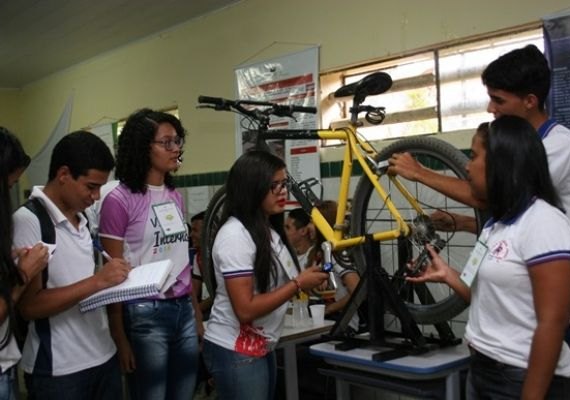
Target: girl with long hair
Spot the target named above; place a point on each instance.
(14, 275)
(518, 276)
(256, 274)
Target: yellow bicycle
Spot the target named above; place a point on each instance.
(391, 210)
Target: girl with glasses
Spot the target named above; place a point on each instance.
(141, 220)
(256, 274)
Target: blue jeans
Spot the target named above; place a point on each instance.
(491, 380)
(8, 384)
(164, 340)
(100, 382)
(238, 376)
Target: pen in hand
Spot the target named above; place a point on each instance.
(101, 250)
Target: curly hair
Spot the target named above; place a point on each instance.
(133, 152)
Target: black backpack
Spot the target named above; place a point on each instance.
(48, 236)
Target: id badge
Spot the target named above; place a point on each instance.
(469, 273)
(169, 218)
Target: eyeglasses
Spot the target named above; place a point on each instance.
(278, 186)
(169, 144)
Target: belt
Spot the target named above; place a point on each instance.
(185, 297)
(477, 355)
(182, 298)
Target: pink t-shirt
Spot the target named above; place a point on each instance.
(129, 217)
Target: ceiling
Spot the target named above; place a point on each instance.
(40, 37)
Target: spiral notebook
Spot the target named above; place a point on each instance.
(143, 281)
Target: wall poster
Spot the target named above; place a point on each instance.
(557, 50)
(291, 79)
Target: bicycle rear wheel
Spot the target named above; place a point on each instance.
(369, 214)
(212, 220)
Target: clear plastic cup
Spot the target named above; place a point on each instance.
(318, 314)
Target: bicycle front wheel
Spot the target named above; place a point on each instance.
(438, 303)
(210, 227)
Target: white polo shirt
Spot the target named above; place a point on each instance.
(9, 355)
(502, 317)
(70, 341)
(234, 255)
(556, 140)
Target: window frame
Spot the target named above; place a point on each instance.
(334, 111)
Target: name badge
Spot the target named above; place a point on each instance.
(169, 218)
(469, 273)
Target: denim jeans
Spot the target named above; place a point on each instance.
(238, 376)
(8, 384)
(491, 380)
(164, 340)
(100, 382)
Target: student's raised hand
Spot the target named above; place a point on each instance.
(405, 165)
(436, 269)
(312, 277)
(31, 261)
(113, 272)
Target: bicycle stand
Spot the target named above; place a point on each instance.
(376, 287)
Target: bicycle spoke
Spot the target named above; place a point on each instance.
(372, 216)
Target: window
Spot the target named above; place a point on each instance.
(437, 90)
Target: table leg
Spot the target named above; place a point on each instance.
(291, 381)
(453, 386)
(342, 389)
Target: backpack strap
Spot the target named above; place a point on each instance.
(46, 224)
(48, 236)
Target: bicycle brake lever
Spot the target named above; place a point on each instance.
(379, 167)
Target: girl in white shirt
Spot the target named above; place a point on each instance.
(520, 302)
(256, 275)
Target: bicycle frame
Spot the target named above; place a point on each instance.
(382, 211)
(354, 149)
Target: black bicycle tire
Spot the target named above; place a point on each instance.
(209, 229)
(449, 307)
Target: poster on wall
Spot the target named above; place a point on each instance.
(557, 50)
(291, 79)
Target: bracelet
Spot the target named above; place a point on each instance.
(296, 282)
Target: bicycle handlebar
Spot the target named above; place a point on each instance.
(216, 101)
(220, 104)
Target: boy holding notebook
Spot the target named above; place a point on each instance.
(69, 354)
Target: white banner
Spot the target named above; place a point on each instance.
(38, 170)
(291, 79)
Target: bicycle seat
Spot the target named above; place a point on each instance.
(370, 85)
